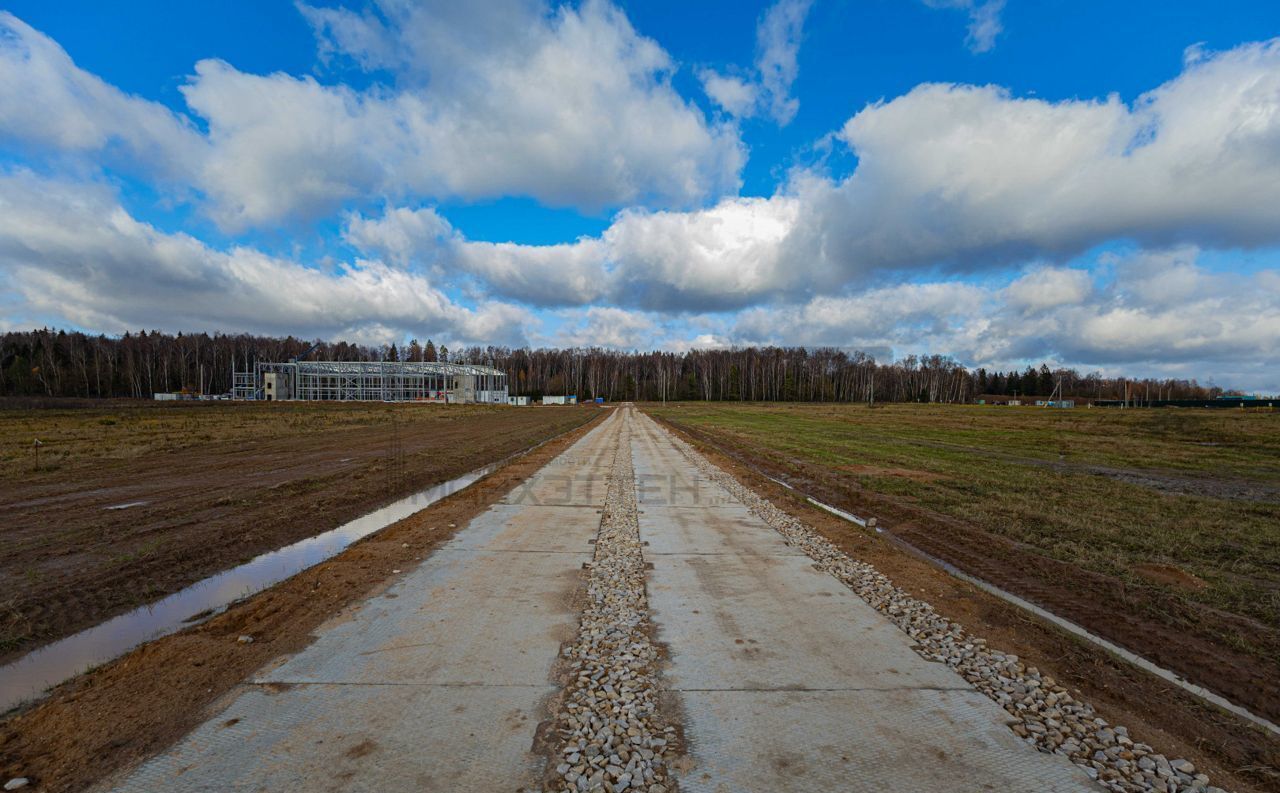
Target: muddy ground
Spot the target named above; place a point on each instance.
(131, 708)
(212, 485)
(1237, 755)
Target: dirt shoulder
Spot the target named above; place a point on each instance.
(133, 502)
(117, 714)
(1235, 754)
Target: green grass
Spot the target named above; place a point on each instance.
(1062, 481)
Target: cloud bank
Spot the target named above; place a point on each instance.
(70, 250)
(569, 106)
(960, 230)
(969, 179)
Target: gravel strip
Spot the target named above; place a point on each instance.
(612, 737)
(1047, 716)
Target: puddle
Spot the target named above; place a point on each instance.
(128, 505)
(36, 671)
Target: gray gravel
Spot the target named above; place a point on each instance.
(1044, 713)
(611, 735)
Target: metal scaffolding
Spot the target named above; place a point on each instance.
(382, 381)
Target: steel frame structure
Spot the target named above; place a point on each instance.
(383, 381)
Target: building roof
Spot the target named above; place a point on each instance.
(391, 367)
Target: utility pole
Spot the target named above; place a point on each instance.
(1055, 394)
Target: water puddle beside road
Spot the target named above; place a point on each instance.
(30, 675)
(129, 505)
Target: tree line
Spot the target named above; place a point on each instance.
(57, 363)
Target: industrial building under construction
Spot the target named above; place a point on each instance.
(379, 381)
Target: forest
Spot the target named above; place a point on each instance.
(58, 363)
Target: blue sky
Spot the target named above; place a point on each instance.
(1091, 184)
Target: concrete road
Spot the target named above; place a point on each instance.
(436, 685)
(790, 682)
(781, 678)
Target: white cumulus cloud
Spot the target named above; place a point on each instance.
(1230, 326)
(984, 20)
(72, 252)
(1048, 288)
(568, 105)
(48, 103)
(722, 257)
(963, 179)
(768, 90)
(973, 177)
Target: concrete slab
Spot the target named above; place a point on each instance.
(357, 738)
(725, 530)
(577, 477)
(676, 488)
(789, 682)
(561, 486)
(516, 527)
(773, 622)
(463, 618)
(665, 478)
(802, 741)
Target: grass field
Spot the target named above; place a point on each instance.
(1158, 529)
(130, 500)
(1127, 493)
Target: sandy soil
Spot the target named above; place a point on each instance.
(1239, 756)
(70, 561)
(126, 710)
